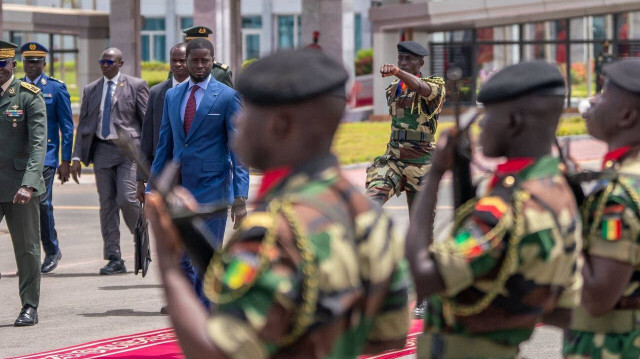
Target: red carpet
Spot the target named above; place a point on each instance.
(163, 344)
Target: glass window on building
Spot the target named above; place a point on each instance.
(251, 33)
(287, 32)
(186, 22)
(357, 32)
(153, 40)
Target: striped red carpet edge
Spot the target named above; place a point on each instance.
(163, 344)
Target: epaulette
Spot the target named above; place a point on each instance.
(56, 80)
(30, 87)
(436, 80)
(393, 83)
(221, 65)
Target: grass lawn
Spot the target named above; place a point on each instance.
(359, 142)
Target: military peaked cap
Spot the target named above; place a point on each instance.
(413, 48)
(197, 31)
(624, 74)
(291, 76)
(7, 49)
(33, 49)
(535, 77)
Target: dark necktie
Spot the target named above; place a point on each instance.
(106, 111)
(190, 110)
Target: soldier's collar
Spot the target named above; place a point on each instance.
(615, 156)
(523, 170)
(511, 167)
(7, 84)
(277, 178)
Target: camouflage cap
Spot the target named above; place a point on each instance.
(539, 77)
(413, 48)
(291, 76)
(625, 74)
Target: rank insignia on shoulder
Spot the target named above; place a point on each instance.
(56, 80)
(494, 205)
(224, 66)
(30, 87)
(13, 113)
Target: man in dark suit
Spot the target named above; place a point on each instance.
(153, 116)
(196, 128)
(59, 122)
(113, 101)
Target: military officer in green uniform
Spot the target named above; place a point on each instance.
(414, 105)
(221, 72)
(23, 134)
(606, 325)
(315, 271)
(510, 261)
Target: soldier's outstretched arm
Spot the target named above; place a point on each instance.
(188, 316)
(413, 82)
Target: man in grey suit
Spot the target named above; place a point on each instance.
(115, 101)
(153, 116)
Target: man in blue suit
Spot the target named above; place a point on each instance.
(195, 131)
(59, 121)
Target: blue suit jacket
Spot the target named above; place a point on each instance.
(208, 167)
(59, 119)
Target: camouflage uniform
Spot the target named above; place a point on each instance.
(611, 215)
(511, 258)
(414, 120)
(314, 272)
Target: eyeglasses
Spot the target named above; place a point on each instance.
(4, 63)
(33, 61)
(102, 62)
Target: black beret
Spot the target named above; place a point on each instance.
(625, 74)
(412, 47)
(539, 77)
(291, 76)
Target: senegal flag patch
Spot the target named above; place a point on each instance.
(240, 272)
(612, 229)
(468, 245)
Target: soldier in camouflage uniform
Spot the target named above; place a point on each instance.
(606, 325)
(315, 271)
(510, 260)
(414, 105)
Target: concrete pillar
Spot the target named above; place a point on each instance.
(125, 23)
(235, 35)
(384, 52)
(334, 20)
(89, 50)
(171, 26)
(204, 14)
(421, 37)
(266, 39)
(1, 19)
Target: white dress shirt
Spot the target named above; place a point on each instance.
(112, 129)
(175, 82)
(199, 94)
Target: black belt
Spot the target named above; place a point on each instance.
(106, 142)
(409, 135)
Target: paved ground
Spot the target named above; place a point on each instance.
(77, 305)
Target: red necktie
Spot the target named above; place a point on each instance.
(190, 110)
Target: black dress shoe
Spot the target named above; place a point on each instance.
(114, 266)
(28, 316)
(50, 262)
(164, 310)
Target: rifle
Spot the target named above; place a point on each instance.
(191, 224)
(463, 188)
